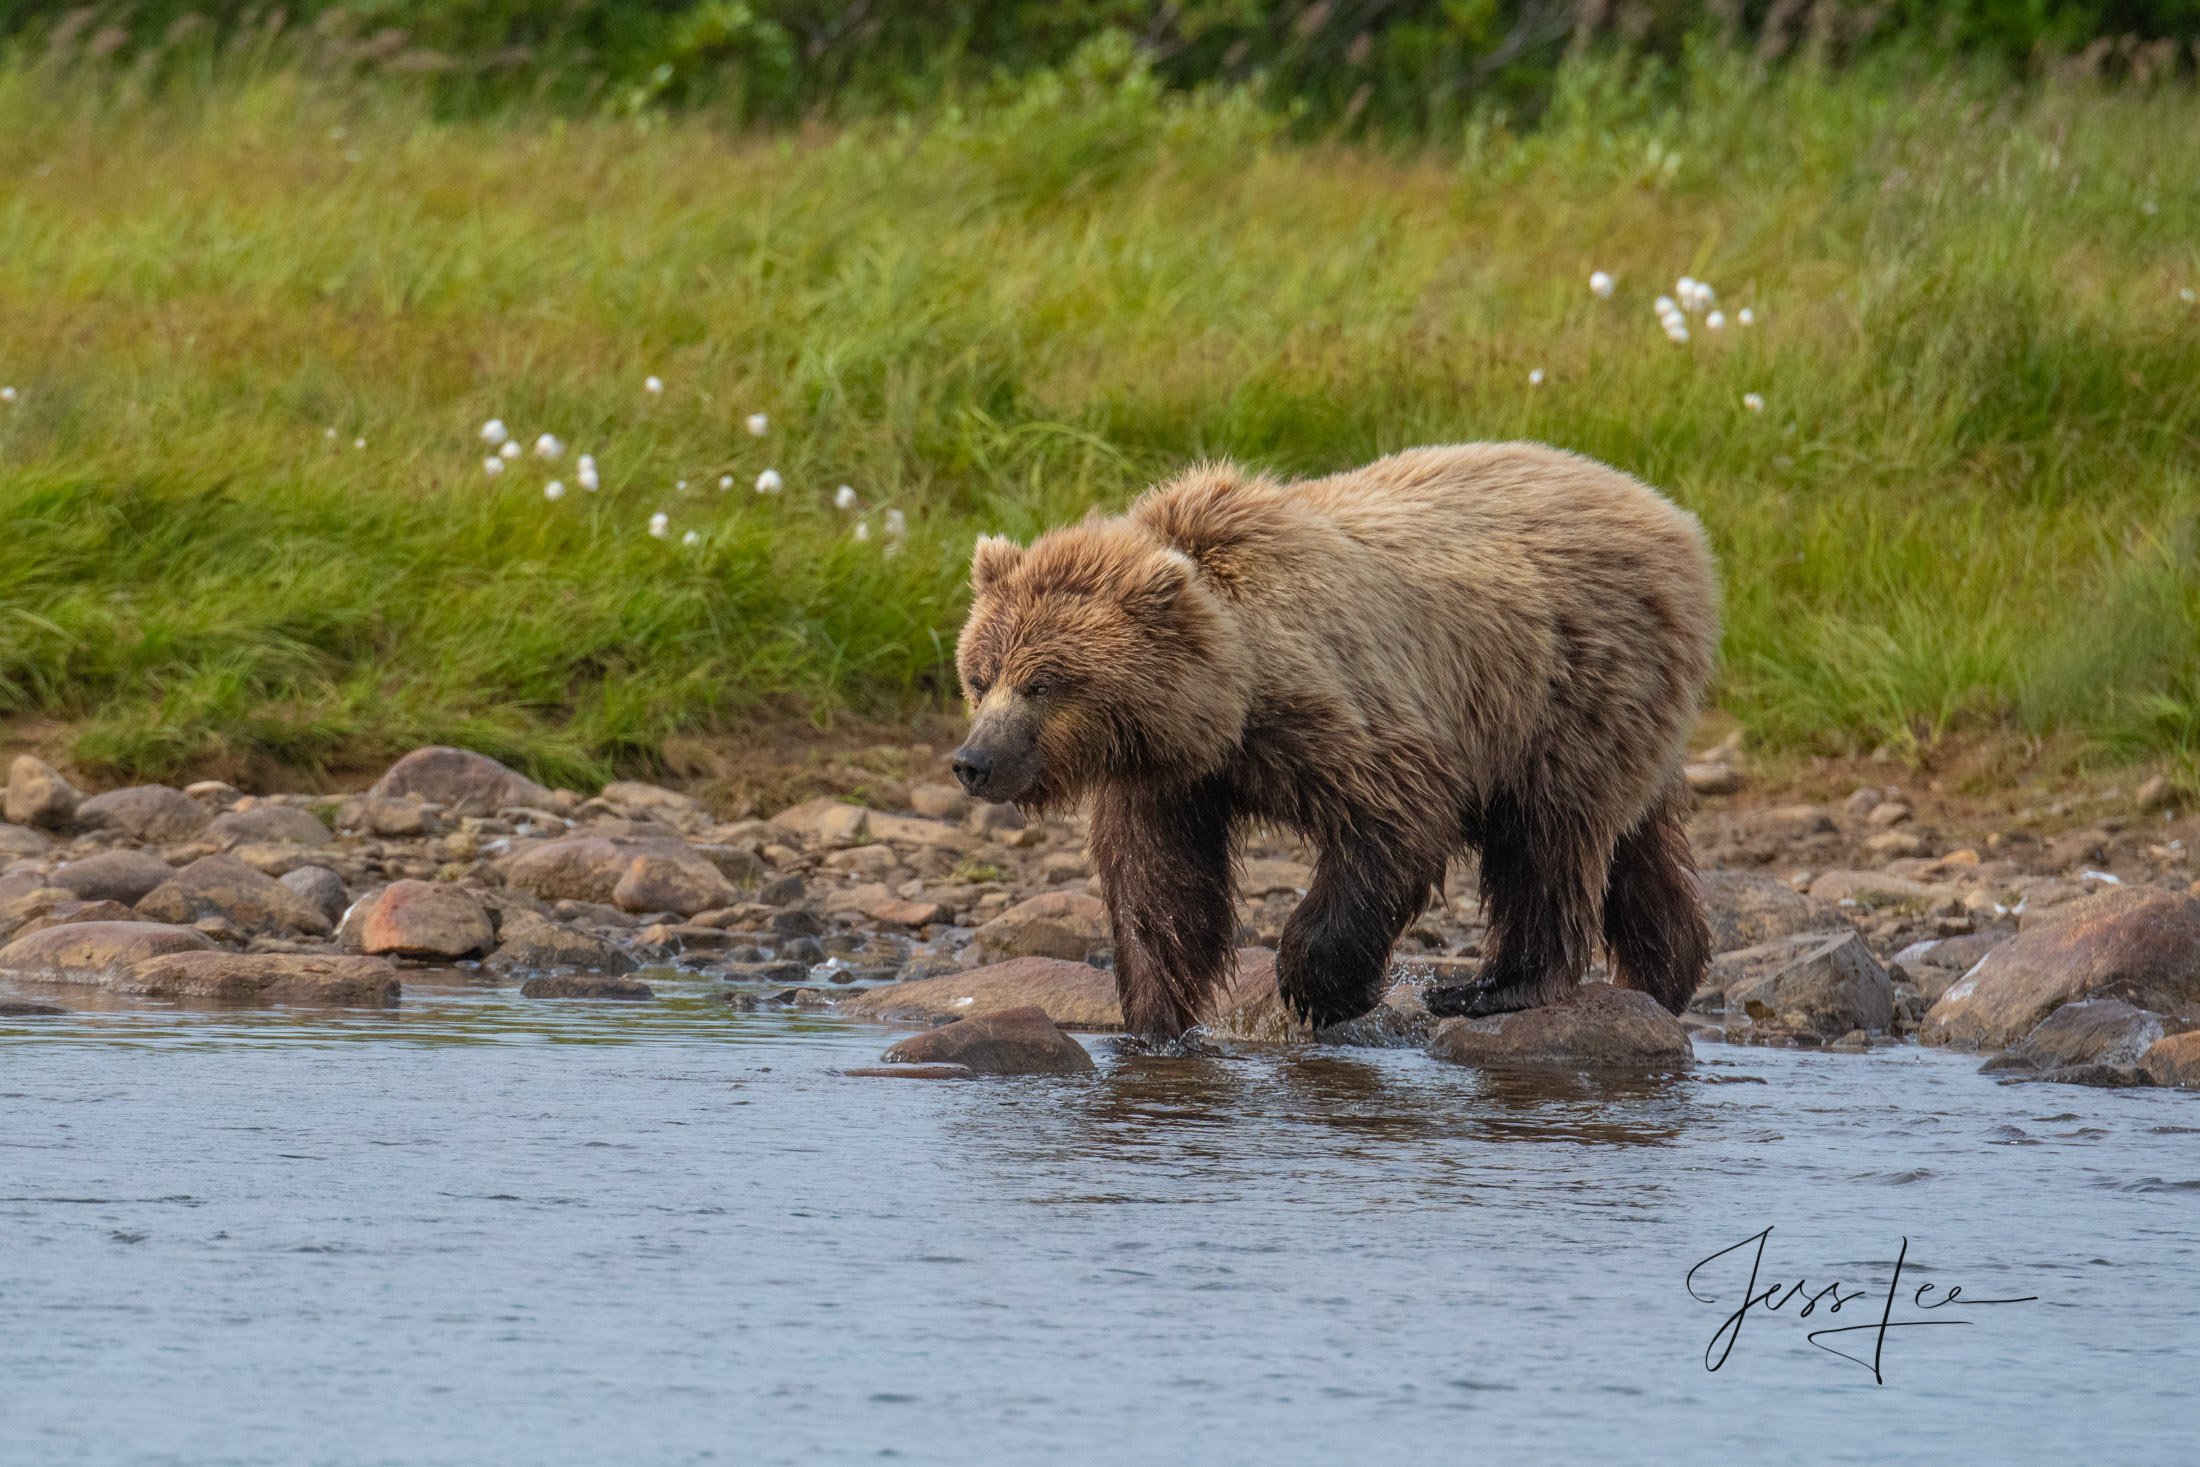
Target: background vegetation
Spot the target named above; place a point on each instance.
(990, 291)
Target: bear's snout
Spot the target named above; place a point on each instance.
(973, 768)
(999, 759)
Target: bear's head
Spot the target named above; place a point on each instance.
(1100, 653)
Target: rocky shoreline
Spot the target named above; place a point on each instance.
(1843, 927)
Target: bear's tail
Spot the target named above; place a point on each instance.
(1654, 927)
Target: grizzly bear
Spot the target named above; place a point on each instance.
(1493, 646)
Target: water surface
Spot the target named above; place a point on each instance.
(479, 1229)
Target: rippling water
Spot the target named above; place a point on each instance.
(481, 1230)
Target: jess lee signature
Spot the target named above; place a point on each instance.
(1774, 1298)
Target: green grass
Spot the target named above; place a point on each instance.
(1969, 505)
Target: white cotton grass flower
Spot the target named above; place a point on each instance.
(1600, 285)
(862, 530)
(508, 451)
(1745, 317)
(585, 473)
(358, 443)
(492, 466)
(897, 524)
(1664, 306)
(1535, 378)
(329, 433)
(547, 446)
(769, 482)
(494, 432)
(1716, 321)
(681, 485)
(653, 385)
(7, 394)
(691, 539)
(660, 524)
(1676, 331)
(844, 497)
(2184, 294)
(553, 491)
(1754, 401)
(725, 482)
(759, 424)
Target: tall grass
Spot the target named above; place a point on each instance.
(1969, 502)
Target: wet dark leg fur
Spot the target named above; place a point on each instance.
(1335, 955)
(1163, 856)
(1540, 899)
(1654, 925)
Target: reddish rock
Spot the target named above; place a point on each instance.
(264, 824)
(218, 886)
(1020, 1041)
(461, 778)
(1073, 995)
(85, 952)
(672, 881)
(114, 876)
(38, 795)
(1069, 925)
(267, 978)
(2141, 945)
(2174, 1061)
(1598, 1027)
(147, 812)
(624, 990)
(426, 919)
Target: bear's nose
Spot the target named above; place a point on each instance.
(972, 769)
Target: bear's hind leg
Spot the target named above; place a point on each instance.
(1335, 952)
(1653, 918)
(1164, 864)
(1540, 895)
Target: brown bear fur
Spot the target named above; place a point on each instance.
(1498, 646)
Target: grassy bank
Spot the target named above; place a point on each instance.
(1969, 502)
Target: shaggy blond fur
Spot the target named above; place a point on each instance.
(1496, 646)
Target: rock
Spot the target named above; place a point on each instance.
(319, 978)
(986, 819)
(1746, 909)
(277, 858)
(782, 973)
(114, 876)
(21, 840)
(426, 919)
(640, 801)
(1895, 843)
(669, 881)
(374, 815)
(85, 952)
(570, 986)
(460, 778)
(546, 945)
(2139, 944)
(939, 801)
(1261, 878)
(2078, 848)
(1790, 822)
(826, 820)
(2104, 1031)
(1073, 995)
(1863, 801)
(26, 893)
(61, 914)
(871, 860)
(23, 1008)
(1887, 812)
(907, 830)
(1712, 779)
(1070, 925)
(1935, 967)
(267, 823)
(320, 886)
(1766, 958)
(785, 892)
(739, 866)
(2155, 794)
(38, 795)
(1597, 1027)
(1829, 990)
(147, 812)
(215, 794)
(584, 868)
(894, 1072)
(1018, 1041)
(2174, 1061)
(1873, 890)
(1251, 1010)
(217, 886)
(800, 922)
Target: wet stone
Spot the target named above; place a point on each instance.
(548, 945)
(264, 978)
(766, 972)
(2104, 1031)
(2174, 1061)
(908, 1072)
(23, 1008)
(1073, 995)
(1597, 1027)
(1019, 1041)
(799, 922)
(579, 986)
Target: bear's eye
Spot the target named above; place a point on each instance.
(978, 689)
(1038, 687)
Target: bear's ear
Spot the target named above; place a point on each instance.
(1162, 579)
(994, 558)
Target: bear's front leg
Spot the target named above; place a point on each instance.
(1163, 857)
(1336, 947)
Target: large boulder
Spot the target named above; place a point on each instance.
(147, 812)
(1746, 909)
(461, 779)
(320, 886)
(61, 914)
(1070, 925)
(543, 946)
(2103, 1031)
(217, 886)
(1019, 1041)
(1597, 1027)
(86, 952)
(2174, 1061)
(425, 919)
(1073, 995)
(590, 868)
(266, 824)
(1833, 987)
(676, 880)
(38, 795)
(113, 876)
(264, 978)
(1249, 1008)
(2139, 944)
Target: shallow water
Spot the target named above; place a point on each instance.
(479, 1229)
